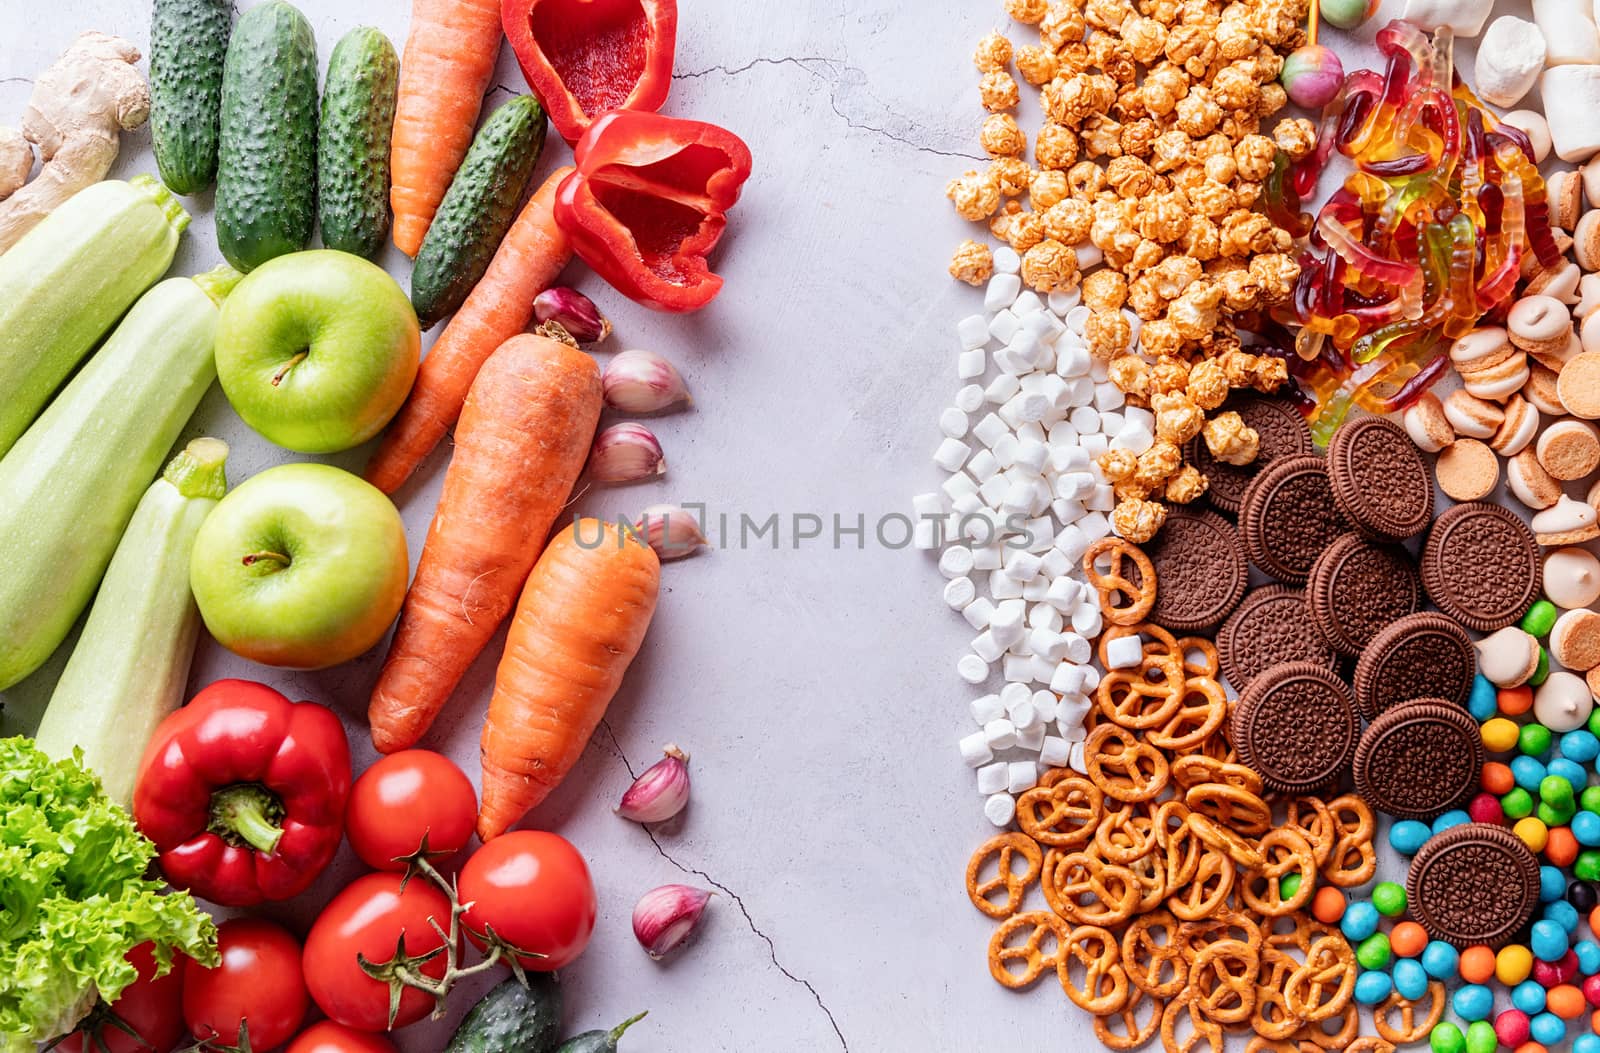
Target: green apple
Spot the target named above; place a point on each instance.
(317, 350)
(303, 565)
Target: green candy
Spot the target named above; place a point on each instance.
(1518, 804)
(1552, 816)
(1288, 885)
(1481, 1037)
(1594, 722)
(1555, 791)
(1373, 952)
(1542, 672)
(1534, 740)
(1447, 1038)
(1347, 14)
(1590, 799)
(1587, 867)
(1390, 899)
(1540, 619)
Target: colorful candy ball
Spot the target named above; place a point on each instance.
(1312, 75)
(1348, 14)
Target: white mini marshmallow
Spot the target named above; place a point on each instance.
(987, 646)
(1078, 650)
(1006, 260)
(1000, 809)
(1032, 737)
(1001, 292)
(1044, 703)
(1023, 715)
(1001, 388)
(1510, 56)
(1102, 499)
(1095, 525)
(983, 465)
(990, 429)
(972, 332)
(1086, 419)
(1047, 644)
(1068, 679)
(1027, 302)
(1464, 17)
(1017, 668)
(1086, 620)
(1042, 615)
(971, 365)
(1136, 437)
(978, 612)
(985, 708)
(970, 398)
(1063, 300)
(975, 751)
(1124, 652)
(1054, 751)
(992, 778)
(1569, 32)
(953, 422)
(1078, 762)
(959, 593)
(972, 669)
(956, 561)
(951, 454)
(999, 734)
(1572, 108)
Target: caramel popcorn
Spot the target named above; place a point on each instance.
(1027, 12)
(975, 196)
(1173, 275)
(1036, 63)
(1230, 439)
(1130, 490)
(1186, 485)
(998, 91)
(972, 263)
(1131, 375)
(1197, 312)
(1177, 419)
(1169, 374)
(1102, 137)
(1013, 174)
(1062, 25)
(1208, 384)
(1001, 136)
(1157, 464)
(1024, 231)
(1047, 189)
(1211, 199)
(993, 54)
(1117, 465)
(1295, 137)
(1276, 273)
(1049, 266)
(1264, 373)
(1068, 221)
(1138, 520)
(1108, 334)
(1146, 38)
(1086, 179)
(1055, 147)
(1107, 14)
(1105, 290)
(1198, 113)
(1164, 218)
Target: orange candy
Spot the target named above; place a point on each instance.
(1531, 1047)
(1594, 926)
(1477, 964)
(1329, 903)
(1566, 1001)
(1561, 848)
(1407, 939)
(1594, 1022)
(1497, 779)
(1514, 701)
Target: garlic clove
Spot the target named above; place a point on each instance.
(673, 532)
(626, 453)
(664, 917)
(572, 311)
(642, 382)
(661, 791)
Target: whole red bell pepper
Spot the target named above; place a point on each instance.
(243, 793)
(649, 201)
(583, 58)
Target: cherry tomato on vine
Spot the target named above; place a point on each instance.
(368, 918)
(328, 1037)
(533, 888)
(258, 983)
(401, 798)
(152, 1006)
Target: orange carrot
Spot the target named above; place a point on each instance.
(499, 307)
(580, 621)
(524, 434)
(449, 61)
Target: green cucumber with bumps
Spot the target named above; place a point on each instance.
(267, 158)
(513, 1018)
(188, 42)
(478, 208)
(358, 102)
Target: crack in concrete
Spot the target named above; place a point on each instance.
(810, 64)
(772, 950)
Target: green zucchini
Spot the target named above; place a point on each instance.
(599, 1041)
(188, 39)
(131, 663)
(267, 157)
(512, 1018)
(353, 142)
(70, 485)
(478, 208)
(69, 279)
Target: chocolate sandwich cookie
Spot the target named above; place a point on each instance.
(1480, 565)
(1358, 587)
(1475, 883)
(1424, 655)
(1380, 481)
(1295, 726)
(1201, 572)
(1283, 433)
(1288, 517)
(1272, 626)
(1420, 759)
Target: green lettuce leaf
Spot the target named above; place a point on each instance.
(75, 898)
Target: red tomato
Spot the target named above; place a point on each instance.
(533, 888)
(404, 796)
(369, 918)
(258, 983)
(328, 1037)
(151, 1005)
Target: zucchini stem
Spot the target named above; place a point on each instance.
(200, 469)
(250, 813)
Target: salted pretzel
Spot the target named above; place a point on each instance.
(1006, 850)
(1151, 872)
(1133, 1034)
(1223, 979)
(1225, 924)
(1115, 583)
(1202, 1029)
(1208, 890)
(1410, 1029)
(1064, 814)
(1286, 852)
(1152, 956)
(1086, 890)
(1044, 944)
(1201, 711)
(1223, 839)
(1322, 986)
(1272, 1018)
(1353, 860)
(1200, 657)
(1180, 848)
(1197, 768)
(1261, 1044)
(1231, 806)
(1312, 819)
(1125, 768)
(1314, 1036)
(1105, 984)
(1129, 699)
(1368, 1044)
(1125, 835)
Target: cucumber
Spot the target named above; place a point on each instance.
(513, 1019)
(599, 1041)
(478, 208)
(69, 486)
(267, 158)
(188, 39)
(131, 663)
(69, 279)
(353, 142)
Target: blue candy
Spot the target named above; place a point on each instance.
(1563, 914)
(1410, 978)
(1443, 961)
(1482, 703)
(1588, 953)
(1449, 819)
(1528, 996)
(1408, 836)
(1528, 773)
(1581, 746)
(1573, 773)
(1552, 883)
(1586, 1044)
(1360, 921)
(1548, 941)
(1373, 987)
(1473, 1002)
(1548, 1029)
(1586, 828)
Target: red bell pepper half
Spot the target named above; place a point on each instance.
(243, 793)
(649, 201)
(583, 58)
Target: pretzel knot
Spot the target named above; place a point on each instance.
(1125, 768)
(1064, 814)
(1410, 1028)
(1005, 849)
(1202, 1029)
(1105, 984)
(1152, 956)
(1322, 986)
(1223, 979)
(1087, 891)
(1133, 1034)
(1043, 944)
(1115, 584)
(1285, 852)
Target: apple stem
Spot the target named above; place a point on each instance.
(277, 378)
(277, 557)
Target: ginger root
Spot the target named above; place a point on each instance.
(16, 160)
(76, 114)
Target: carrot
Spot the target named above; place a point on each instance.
(499, 307)
(580, 621)
(449, 61)
(524, 434)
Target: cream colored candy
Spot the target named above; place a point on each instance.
(1563, 702)
(1579, 385)
(1589, 332)
(1590, 174)
(1467, 470)
(1541, 390)
(1517, 430)
(1567, 522)
(1489, 365)
(1572, 577)
(1569, 31)
(1588, 297)
(1569, 449)
(1471, 416)
(1564, 190)
(1529, 482)
(1575, 639)
(1559, 282)
(1572, 100)
(1593, 496)
(1537, 128)
(1464, 17)
(1507, 658)
(1539, 324)
(1427, 425)
(1510, 56)
(1586, 241)
(1557, 359)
